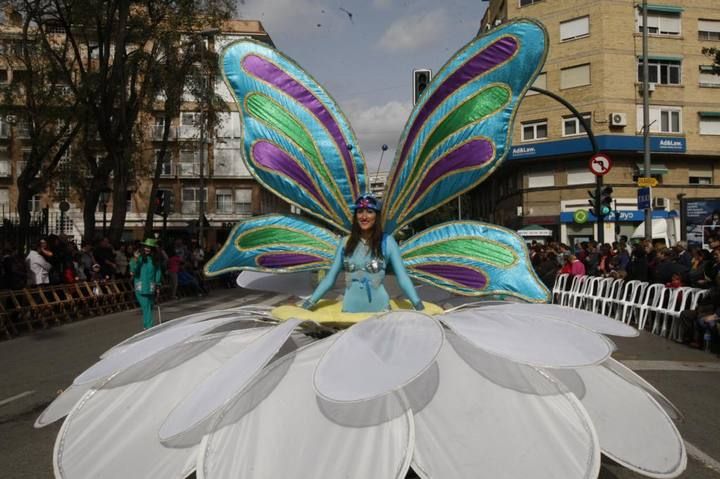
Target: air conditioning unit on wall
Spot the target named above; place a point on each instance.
(660, 203)
(618, 119)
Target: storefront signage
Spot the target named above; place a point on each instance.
(620, 216)
(644, 198)
(644, 181)
(581, 216)
(605, 143)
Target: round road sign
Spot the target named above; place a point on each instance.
(64, 206)
(600, 164)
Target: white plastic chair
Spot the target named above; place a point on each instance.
(613, 294)
(559, 287)
(567, 295)
(651, 299)
(659, 310)
(681, 302)
(594, 300)
(577, 298)
(587, 292)
(632, 294)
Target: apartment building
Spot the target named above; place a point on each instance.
(595, 63)
(228, 190)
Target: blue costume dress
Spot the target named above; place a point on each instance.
(146, 279)
(364, 276)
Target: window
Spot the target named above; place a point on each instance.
(4, 163)
(158, 128)
(576, 28)
(700, 176)
(540, 180)
(524, 3)
(129, 201)
(4, 201)
(709, 77)
(540, 82)
(4, 128)
(572, 126)
(710, 123)
(189, 163)
(227, 160)
(34, 204)
(534, 130)
(709, 30)
(189, 124)
(662, 71)
(224, 201)
(19, 76)
(243, 201)
(191, 200)
(4, 75)
(228, 125)
(662, 21)
(663, 119)
(22, 129)
(580, 176)
(167, 166)
(572, 77)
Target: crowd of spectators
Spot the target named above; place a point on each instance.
(674, 267)
(57, 260)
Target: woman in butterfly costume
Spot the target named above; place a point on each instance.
(482, 389)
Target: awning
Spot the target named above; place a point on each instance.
(655, 169)
(711, 114)
(534, 230)
(669, 58)
(663, 8)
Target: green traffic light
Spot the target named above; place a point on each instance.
(605, 210)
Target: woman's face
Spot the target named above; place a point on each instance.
(146, 251)
(366, 219)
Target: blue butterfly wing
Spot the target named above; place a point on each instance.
(473, 259)
(297, 142)
(275, 244)
(461, 128)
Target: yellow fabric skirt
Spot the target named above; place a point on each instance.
(330, 312)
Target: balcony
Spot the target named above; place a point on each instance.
(189, 170)
(157, 133)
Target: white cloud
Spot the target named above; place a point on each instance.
(415, 31)
(378, 125)
(382, 4)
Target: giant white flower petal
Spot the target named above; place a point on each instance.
(112, 432)
(529, 340)
(378, 356)
(587, 319)
(633, 429)
(476, 427)
(289, 433)
(226, 382)
(63, 404)
(144, 348)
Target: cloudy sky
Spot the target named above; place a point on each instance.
(364, 51)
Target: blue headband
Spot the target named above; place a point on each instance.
(366, 201)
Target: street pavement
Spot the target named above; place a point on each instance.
(37, 367)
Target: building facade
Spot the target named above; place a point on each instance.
(595, 63)
(228, 190)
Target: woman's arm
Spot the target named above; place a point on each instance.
(393, 253)
(329, 279)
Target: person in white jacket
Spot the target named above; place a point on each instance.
(38, 266)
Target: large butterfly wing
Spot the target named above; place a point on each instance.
(297, 143)
(461, 128)
(276, 244)
(473, 259)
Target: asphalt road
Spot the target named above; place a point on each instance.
(36, 367)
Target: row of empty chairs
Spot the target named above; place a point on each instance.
(653, 305)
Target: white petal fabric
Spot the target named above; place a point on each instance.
(633, 429)
(112, 432)
(163, 327)
(378, 356)
(299, 284)
(289, 435)
(228, 381)
(63, 404)
(529, 340)
(587, 319)
(474, 427)
(146, 347)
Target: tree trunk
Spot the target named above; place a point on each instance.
(119, 207)
(24, 196)
(92, 197)
(150, 214)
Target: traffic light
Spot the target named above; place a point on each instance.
(606, 200)
(169, 203)
(602, 205)
(159, 202)
(421, 80)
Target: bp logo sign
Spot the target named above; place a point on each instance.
(581, 216)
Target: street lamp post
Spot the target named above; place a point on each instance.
(104, 198)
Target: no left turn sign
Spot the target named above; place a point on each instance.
(600, 164)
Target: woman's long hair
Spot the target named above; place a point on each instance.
(375, 239)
